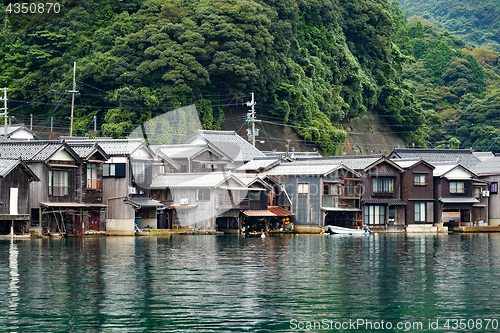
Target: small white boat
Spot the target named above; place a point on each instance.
(347, 231)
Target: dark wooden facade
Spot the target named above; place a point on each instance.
(382, 204)
(18, 178)
(418, 193)
(453, 193)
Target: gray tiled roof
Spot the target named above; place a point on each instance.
(462, 156)
(86, 149)
(114, 147)
(392, 202)
(30, 150)
(7, 165)
(298, 155)
(144, 202)
(230, 143)
(488, 167)
(459, 200)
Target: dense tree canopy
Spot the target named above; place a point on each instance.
(317, 62)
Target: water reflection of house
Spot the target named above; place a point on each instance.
(15, 179)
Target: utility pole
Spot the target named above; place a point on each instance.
(251, 119)
(73, 99)
(5, 110)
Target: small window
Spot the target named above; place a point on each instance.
(116, 170)
(494, 187)
(419, 180)
(383, 185)
(457, 187)
(58, 183)
(303, 188)
(254, 195)
(203, 194)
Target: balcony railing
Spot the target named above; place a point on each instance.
(330, 201)
(93, 184)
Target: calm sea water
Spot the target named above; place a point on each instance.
(238, 283)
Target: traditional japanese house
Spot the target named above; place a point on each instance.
(201, 200)
(89, 186)
(126, 184)
(55, 205)
(465, 157)
(237, 149)
(382, 204)
(489, 171)
(318, 193)
(454, 194)
(15, 179)
(263, 213)
(17, 132)
(194, 157)
(417, 191)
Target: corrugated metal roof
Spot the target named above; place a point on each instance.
(489, 167)
(144, 202)
(230, 143)
(72, 205)
(258, 213)
(278, 211)
(459, 200)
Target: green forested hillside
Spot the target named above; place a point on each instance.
(476, 22)
(315, 63)
(459, 82)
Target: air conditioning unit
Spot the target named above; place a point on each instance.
(132, 190)
(184, 201)
(486, 193)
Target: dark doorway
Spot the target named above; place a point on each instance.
(94, 221)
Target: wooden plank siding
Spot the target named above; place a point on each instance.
(413, 193)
